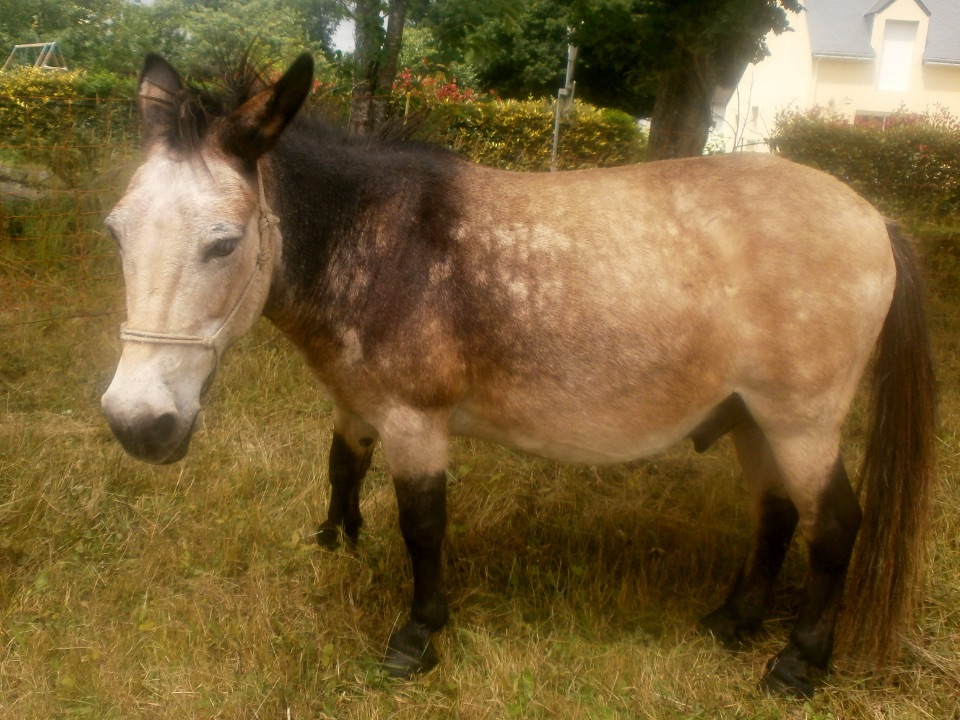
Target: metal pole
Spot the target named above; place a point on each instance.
(564, 99)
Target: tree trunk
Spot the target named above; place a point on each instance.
(387, 72)
(375, 59)
(366, 55)
(683, 111)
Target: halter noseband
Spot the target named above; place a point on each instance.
(267, 219)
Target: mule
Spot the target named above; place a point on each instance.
(595, 316)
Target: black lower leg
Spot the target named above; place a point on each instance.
(830, 543)
(742, 612)
(423, 517)
(346, 470)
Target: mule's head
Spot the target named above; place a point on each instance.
(197, 249)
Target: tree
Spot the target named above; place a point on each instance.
(375, 61)
(688, 48)
(711, 45)
(321, 18)
(524, 55)
(663, 58)
(114, 35)
(270, 30)
(517, 47)
(79, 26)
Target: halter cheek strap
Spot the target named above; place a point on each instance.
(267, 220)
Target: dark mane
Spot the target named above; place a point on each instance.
(201, 102)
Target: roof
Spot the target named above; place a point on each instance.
(881, 5)
(841, 28)
(943, 37)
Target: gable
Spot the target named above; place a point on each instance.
(881, 5)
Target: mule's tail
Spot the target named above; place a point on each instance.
(898, 472)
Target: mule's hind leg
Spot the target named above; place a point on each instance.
(829, 519)
(350, 453)
(775, 521)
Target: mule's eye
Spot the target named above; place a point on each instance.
(221, 247)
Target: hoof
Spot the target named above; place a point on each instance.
(410, 651)
(788, 675)
(730, 631)
(329, 536)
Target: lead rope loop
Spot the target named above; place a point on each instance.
(267, 219)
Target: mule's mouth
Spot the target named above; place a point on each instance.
(140, 445)
(152, 427)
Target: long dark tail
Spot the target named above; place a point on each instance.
(898, 472)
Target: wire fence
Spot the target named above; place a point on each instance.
(63, 163)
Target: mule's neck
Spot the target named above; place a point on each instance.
(359, 224)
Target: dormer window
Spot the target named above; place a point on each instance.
(896, 55)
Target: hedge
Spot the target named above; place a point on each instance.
(62, 121)
(69, 114)
(518, 135)
(909, 165)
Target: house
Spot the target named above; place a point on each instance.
(861, 59)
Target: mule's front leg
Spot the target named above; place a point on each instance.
(423, 517)
(350, 454)
(416, 448)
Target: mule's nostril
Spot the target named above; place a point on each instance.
(162, 429)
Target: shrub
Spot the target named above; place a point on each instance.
(62, 120)
(909, 165)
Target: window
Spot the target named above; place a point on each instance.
(896, 56)
(885, 120)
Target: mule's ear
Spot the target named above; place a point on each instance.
(158, 97)
(254, 127)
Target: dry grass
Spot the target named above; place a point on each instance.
(193, 591)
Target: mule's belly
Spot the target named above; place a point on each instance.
(583, 437)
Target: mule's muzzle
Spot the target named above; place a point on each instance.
(157, 438)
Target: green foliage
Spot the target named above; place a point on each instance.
(528, 55)
(105, 34)
(219, 35)
(519, 48)
(420, 53)
(114, 35)
(615, 65)
(455, 25)
(61, 120)
(909, 165)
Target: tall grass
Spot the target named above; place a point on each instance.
(194, 591)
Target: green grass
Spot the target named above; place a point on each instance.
(194, 591)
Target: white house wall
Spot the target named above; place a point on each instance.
(791, 78)
(783, 80)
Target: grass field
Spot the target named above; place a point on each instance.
(194, 591)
